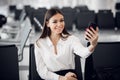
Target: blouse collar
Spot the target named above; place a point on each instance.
(49, 42)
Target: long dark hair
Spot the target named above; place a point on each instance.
(46, 30)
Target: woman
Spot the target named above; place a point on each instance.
(55, 47)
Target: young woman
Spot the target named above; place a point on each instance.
(54, 50)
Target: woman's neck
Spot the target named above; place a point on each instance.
(54, 38)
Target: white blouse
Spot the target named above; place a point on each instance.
(47, 62)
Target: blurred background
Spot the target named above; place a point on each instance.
(21, 22)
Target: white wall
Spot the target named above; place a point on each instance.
(93, 4)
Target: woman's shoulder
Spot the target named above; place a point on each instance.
(73, 37)
(40, 41)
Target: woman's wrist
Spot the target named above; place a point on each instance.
(92, 47)
(61, 77)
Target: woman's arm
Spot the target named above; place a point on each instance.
(79, 49)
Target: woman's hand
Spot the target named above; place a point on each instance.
(69, 76)
(72, 75)
(92, 36)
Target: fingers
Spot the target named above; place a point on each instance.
(91, 34)
(71, 76)
(92, 30)
(97, 29)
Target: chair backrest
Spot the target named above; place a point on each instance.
(39, 14)
(84, 18)
(17, 14)
(69, 15)
(12, 8)
(3, 20)
(33, 74)
(117, 20)
(29, 12)
(106, 60)
(9, 69)
(117, 6)
(105, 19)
(81, 8)
(107, 54)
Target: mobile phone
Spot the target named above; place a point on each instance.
(93, 25)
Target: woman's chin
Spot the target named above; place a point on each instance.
(59, 31)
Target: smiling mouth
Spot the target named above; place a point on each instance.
(59, 28)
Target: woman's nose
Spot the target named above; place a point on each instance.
(59, 24)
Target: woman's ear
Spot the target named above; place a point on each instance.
(47, 23)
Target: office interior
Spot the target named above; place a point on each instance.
(21, 25)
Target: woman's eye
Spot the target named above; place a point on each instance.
(54, 21)
(61, 20)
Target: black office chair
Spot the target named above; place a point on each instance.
(117, 6)
(9, 69)
(39, 14)
(69, 15)
(12, 8)
(17, 14)
(106, 60)
(33, 74)
(29, 12)
(105, 19)
(117, 19)
(81, 8)
(3, 20)
(84, 18)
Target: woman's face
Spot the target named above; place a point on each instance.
(56, 24)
